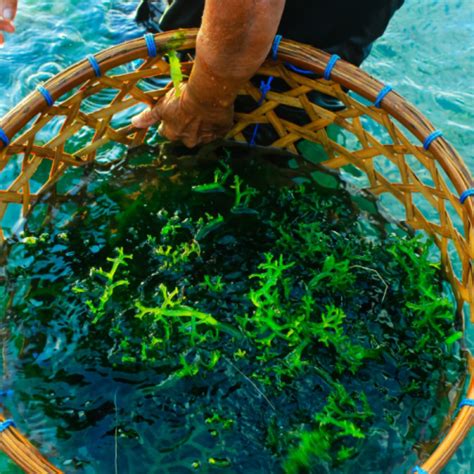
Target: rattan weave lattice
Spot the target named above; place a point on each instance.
(426, 185)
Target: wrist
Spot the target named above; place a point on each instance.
(207, 109)
(209, 92)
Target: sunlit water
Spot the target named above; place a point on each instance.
(426, 55)
(72, 370)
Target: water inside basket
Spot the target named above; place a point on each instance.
(263, 316)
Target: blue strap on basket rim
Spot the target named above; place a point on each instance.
(6, 393)
(431, 138)
(292, 67)
(419, 470)
(4, 425)
(45, 93)
(298, 69)
(330, 66)
(4, 138)
(95, 65)
(265, 88)
(382, 94)
(150, 44)
(466, 194)
(467, 402)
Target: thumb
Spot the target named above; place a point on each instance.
(8, 9)
(147, 118)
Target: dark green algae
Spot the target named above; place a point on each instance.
(254, 321)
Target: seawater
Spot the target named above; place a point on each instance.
(105, 382)
(426, 55)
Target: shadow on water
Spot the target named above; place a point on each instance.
(122, 395)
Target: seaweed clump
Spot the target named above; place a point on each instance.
(264, 313)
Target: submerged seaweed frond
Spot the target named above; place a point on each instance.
(98, 309)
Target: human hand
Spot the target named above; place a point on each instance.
(184, 119)
(8, 10)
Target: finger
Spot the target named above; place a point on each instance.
(165, 132)
(190, 142)
(147, 118)
(7, 25)
(161, 130)
(9, 8)
(208, 138)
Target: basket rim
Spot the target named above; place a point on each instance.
(311, 59)
(301, 55)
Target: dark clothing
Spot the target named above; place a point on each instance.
(344, 27)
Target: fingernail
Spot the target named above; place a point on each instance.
(138, 122)
(8, 14)
(9, 28)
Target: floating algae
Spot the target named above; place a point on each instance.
(203, 318)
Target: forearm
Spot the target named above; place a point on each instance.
(234, 40)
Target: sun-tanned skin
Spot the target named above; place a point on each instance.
(7, 15)
(233, 41)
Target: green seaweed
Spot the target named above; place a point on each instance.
(334, 274)
(171, 309)
(173, 256)
(243, 195)
(175, 71)
(427, 311)
(283, 311)
(175, 43)
(221, 176)
(214, 284)
(98, 309)
(339, 427)
(207, 224)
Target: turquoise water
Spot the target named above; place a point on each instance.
(426, 54)
(91, 379)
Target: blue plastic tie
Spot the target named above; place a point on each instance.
(4, 138)
(6, 393)
(330, 66)
(151, 46)
(254, 134)
(265, 88)
(419, 470)
(431, 138)
(298, 69)
(4, 425)
(467, 402)
(95, 65)
(466, 194)
(275, 46)
(381, 96)
(45, 93)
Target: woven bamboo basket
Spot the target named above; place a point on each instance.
(435, 173)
